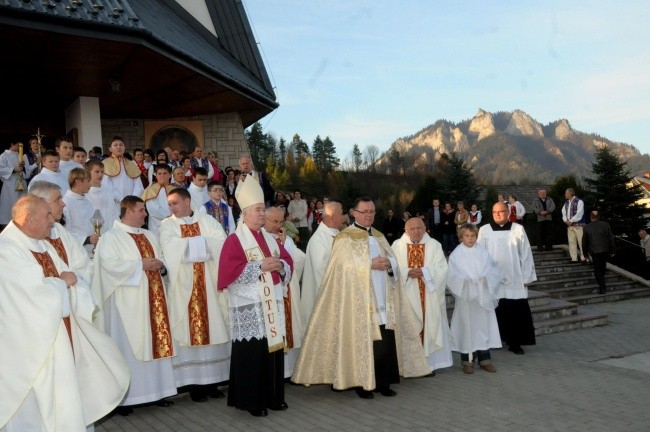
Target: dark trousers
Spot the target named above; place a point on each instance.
(303, 232)
(480, 355)
(436, 232)
(515, 322)
(385, 358)
(600, 264)
(449, 242)
(545, 235)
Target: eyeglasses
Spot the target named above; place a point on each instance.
(367, 212)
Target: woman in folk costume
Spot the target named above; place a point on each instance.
(255, 270)
(516, 210)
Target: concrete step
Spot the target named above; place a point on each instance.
(550, 275)
(576, 281)
(535, 298)
(557, 261)
(576, 291)
(555, 254)
(623, 294)
(584, 319)
(560, 268)
(554, 309)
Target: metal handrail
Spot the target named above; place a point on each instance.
(627, 241)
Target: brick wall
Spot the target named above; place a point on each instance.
(222, 133)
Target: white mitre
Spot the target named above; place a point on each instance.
(249, 193)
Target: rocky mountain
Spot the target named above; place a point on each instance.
(505, 148)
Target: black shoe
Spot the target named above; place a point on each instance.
(198, 397)
(279, 407)
(164, 403)
(387, 392)
(516, 350)
(216, 394)
(259, 412)
(602, 291)
(123, 410)
(365, 394)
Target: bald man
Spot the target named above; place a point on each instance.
(423, 273)
(507, 244)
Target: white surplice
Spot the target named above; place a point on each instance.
(9, 195)
(473, 280)
(66, 166)
(436, 345)
(49, 383)
(52, 177)
(78, 213)
(206, 364)
(158, 209)
(102, 199)
(318, 254)
(122, 288)
(199, 196)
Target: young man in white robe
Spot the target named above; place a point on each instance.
(508, 245)
(69, 374)
(50, 172)
(101, 197)
(155, 198)
(65, 149)
(79, 211)
(60, 240)
(10, 173)
(133, 305)
(473, 279)
(318, 254)
(121, 176)
(191, 243)
(295, 328)
(198, 189)
(423, 272)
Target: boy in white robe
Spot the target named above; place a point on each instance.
(50, 172)
(198, 189)
(10, 169)
(79, 211)
(121, 175)
(65, 149)
(101, 197)
(473, 279)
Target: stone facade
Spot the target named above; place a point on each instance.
(222, 133)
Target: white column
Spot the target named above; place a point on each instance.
(83, 114)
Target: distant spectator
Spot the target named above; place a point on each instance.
(543, 207)
(393, 227)
(645, 244)
(598, 244)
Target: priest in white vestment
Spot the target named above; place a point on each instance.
(50, 172)
(198, 189)
(318, 254)
(423, 272)
(121, 176)
(69, 374)
(101, 197)
(191, 243)
(10, 173)
(473, 279)
(133, 305)
(294, 325)
(79, 211)
(155, 198)
(507, 244)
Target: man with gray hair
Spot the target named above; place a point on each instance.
(573, 212)
(319, 249)
(543, 207)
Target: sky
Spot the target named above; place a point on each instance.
(370, 72)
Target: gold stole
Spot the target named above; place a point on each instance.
(60, 249)
(416, 260)
(197, 309)
(160, 334)
(112, 167)
(288, 330)
(49, 270)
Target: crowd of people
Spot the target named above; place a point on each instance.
(233, 284)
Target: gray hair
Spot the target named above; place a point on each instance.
(43, 189)
(330, 207)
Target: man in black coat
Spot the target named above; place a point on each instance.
(393, 227)
(598, 243)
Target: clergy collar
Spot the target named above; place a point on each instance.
(369, 229)
(129, 229)
(497, 227)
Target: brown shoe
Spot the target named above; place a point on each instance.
(468, 368)
(488, 367)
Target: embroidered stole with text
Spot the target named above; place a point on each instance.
(197, 308)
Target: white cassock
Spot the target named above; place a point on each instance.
(102, 199)
(47, 382)
(295, 326)
(433, 320)
(157, 209)
(9, 195)
(196, 363)
(122, 288)
(473, 279)
(66, 166)
(512, 255)
(52, 177)
(199, 196)
(122, 184)
(318, 254)
(76, 256)
(78, 213)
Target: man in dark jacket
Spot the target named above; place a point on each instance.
(597, 244)
(393, 227)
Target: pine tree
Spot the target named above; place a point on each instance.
(282, 152)
(310, 179)
(459, 181)
(610, 194)
(356, 157)
(329, 150)
(300, 150)
(318, 154)
(257, 145)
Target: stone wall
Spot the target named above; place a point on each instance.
(222, 133)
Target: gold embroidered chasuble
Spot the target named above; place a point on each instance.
(161, 337)
(338, 345)
(197, 308)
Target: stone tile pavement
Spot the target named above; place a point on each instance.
(584, 380)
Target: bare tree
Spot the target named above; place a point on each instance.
(371, 154)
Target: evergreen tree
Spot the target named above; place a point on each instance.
(460, 183)
(300, 150)
(282, 152)
(610, 194)
(329, 150)
(356, 157)
(425, 194)
(257, 144)
(291, 166)
(318, 154)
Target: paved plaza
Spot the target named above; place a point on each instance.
(584, 380)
